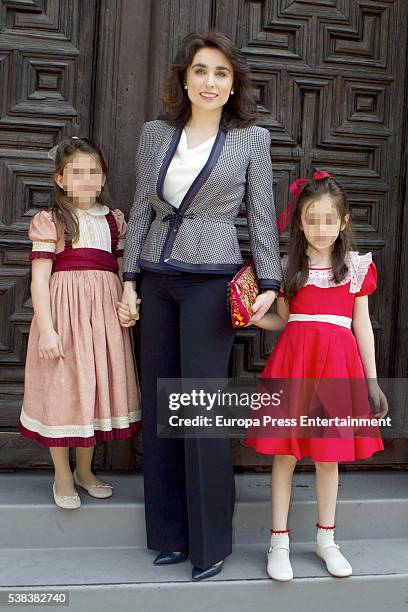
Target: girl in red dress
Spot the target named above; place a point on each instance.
(325, 291)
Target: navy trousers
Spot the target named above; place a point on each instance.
(188, 483)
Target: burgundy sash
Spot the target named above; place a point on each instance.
(90, 259)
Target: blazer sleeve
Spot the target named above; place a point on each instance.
(141, 213)
(261, 213)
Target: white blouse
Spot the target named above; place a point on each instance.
(184, 168)
(93, 228)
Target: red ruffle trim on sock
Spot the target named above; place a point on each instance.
(325, 528)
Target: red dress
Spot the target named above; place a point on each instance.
(310, 349)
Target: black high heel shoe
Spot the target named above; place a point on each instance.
(202, 574)
(166, 557)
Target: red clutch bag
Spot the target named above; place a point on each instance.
(243, 291)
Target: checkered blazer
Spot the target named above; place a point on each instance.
(200, 235)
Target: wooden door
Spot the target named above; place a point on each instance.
(331, 87)
(330, 83)
(46, 83)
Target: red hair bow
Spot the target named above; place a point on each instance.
(319, 176)
(294, 190)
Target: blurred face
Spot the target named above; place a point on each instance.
(209, 79)
(82, 179)
(321, 223)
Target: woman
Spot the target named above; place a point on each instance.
(194, 169)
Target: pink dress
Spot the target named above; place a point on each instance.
(323, 349)
(92, 393)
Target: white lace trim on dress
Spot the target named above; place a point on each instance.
(357, 270)
(39, 246)
(79, 431)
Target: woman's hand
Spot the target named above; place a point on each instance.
(129, 297)
(50, 345)
(124, 314)
(261, 305)
(128, 307)
(377, 398)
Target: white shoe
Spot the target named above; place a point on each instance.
(69, 502)
(279, 567)
(101, 491)
(326, 548)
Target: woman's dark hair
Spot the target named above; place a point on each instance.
(61, 205)
(240, 109)
(297, 270)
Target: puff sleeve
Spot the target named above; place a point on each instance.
(43, 235)
(369, 283)
(122, 230)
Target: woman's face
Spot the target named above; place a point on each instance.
(209, 79)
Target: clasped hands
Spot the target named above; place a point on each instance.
(128, 308)
(261, 306)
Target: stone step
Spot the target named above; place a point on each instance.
(372, 505)
(124, 578)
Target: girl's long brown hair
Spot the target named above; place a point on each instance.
(297, 269)
(240, 109)
(61, 205)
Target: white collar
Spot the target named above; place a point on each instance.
(183, 144)
(97, 210)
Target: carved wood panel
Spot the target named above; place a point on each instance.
(46, 54)
(330, 83)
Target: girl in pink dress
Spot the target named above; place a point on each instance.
(80, 381)
(323, 293)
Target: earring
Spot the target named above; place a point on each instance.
(185, 87)
(232, 92)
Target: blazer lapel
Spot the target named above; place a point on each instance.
(167, 161)
(205, 171)
(200, 178)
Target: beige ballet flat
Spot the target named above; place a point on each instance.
(68, 502)
(100, 490)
